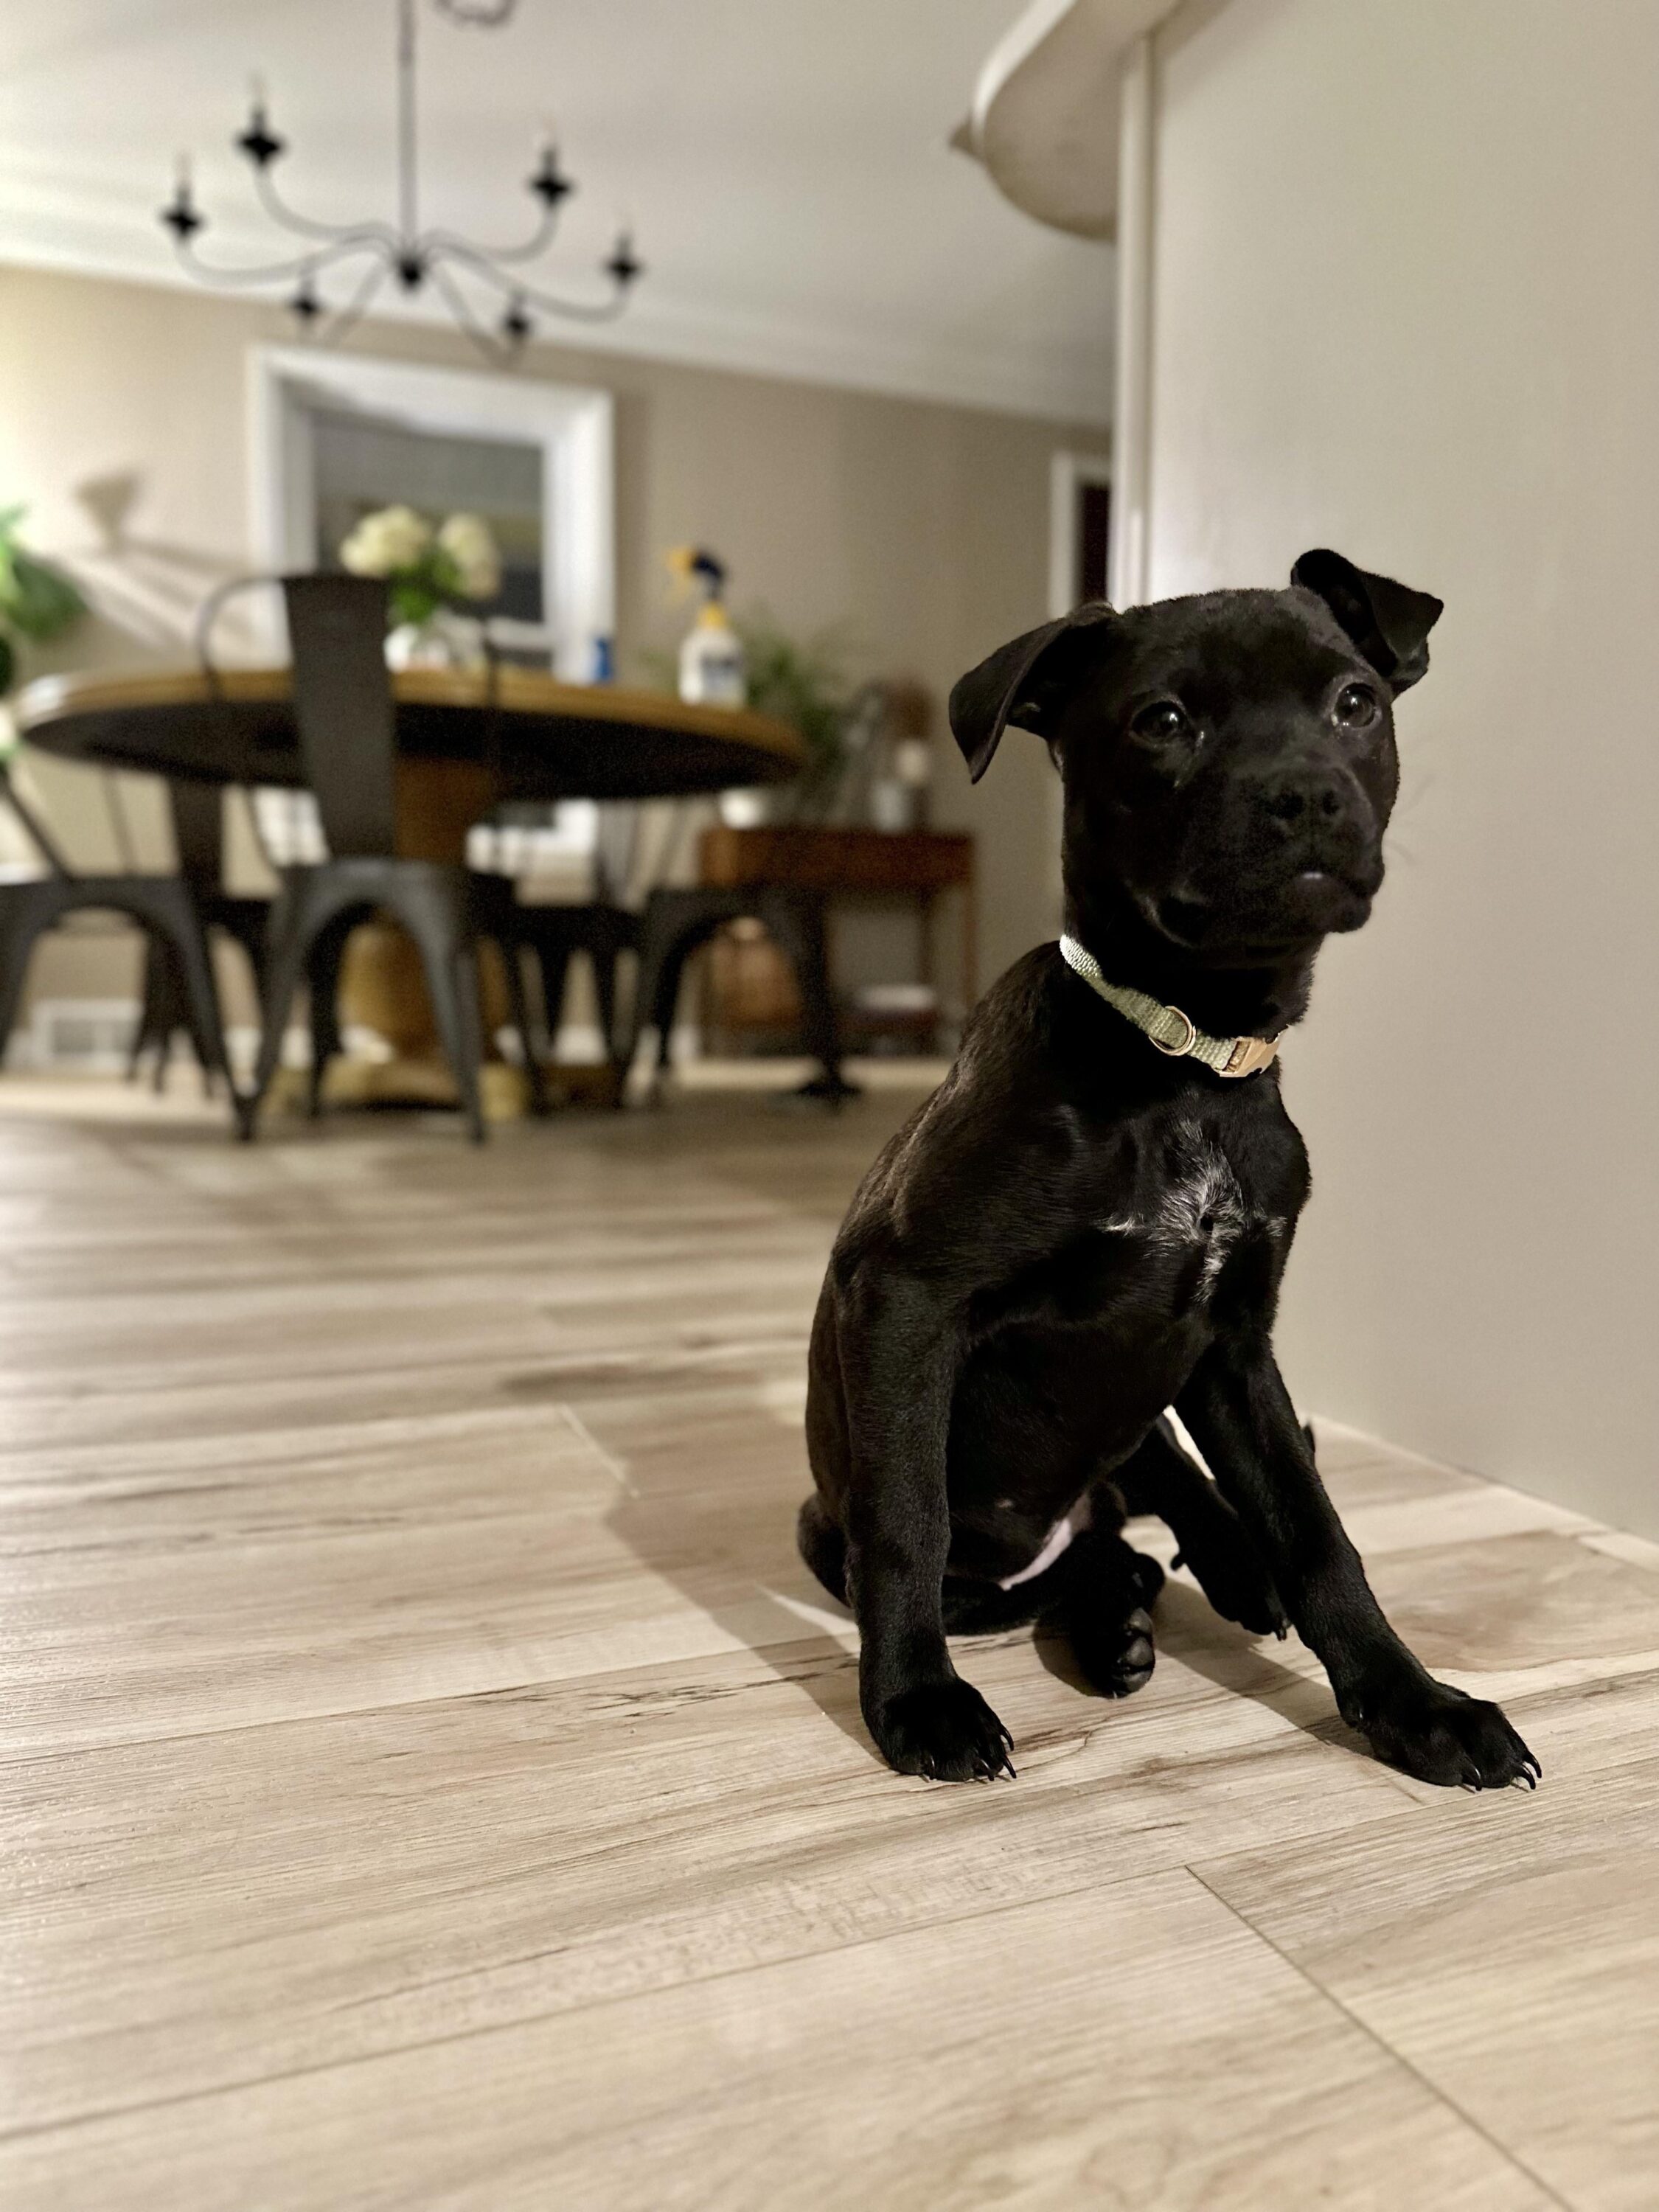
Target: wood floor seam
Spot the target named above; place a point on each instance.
(1399, 2057)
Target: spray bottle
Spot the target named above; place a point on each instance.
(711, 657)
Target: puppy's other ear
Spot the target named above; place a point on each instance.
(1389, 622)
(1026, 681)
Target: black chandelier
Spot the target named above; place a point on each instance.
(403, 252)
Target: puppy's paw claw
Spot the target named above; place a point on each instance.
(1442, 1735)
(945, 1731)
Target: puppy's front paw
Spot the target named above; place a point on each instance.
(1234, 1577)
(1442, 1735)
(944, 1731)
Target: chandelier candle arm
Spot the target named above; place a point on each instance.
(515, 287)
(333, 327)
(272, 272)
(415, 256)
(502, 348)
(307, 225)
(449, 241)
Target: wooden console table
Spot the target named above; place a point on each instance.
(918, 865)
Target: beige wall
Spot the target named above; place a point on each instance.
(1407, 287)
(920, 530)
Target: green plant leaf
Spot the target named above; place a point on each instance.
(37, 600)
(7, 667)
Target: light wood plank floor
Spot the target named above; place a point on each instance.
(430, 1780)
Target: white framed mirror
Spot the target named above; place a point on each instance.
(333, 436)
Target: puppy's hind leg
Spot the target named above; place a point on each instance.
(822, 1547)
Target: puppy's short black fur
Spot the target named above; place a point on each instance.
(1077, 1233)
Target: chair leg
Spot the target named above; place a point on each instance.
(665, 996)
(322, 968)
(603, 959)
(645, 984)
(668, 938)
(465, 1036)
(618, 1040)
(449, 956)
(152, 1028)
(166, 1010)
(794, 921)
(291, 927)
(208, 1046)
(20, 922)
(512, 961)
(175, 915)
(553, 965)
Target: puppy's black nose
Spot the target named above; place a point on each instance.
(1312, 795)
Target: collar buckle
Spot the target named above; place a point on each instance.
(1249, 1055)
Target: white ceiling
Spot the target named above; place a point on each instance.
(784, 163)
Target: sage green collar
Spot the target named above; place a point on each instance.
(1167, 1027)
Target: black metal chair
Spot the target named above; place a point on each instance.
(347, 722)
(161, 905)
(600, 928)
(673, 925)
(197, 814)
(553, 935)
(677, 922)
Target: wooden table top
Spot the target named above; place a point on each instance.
(547, 740)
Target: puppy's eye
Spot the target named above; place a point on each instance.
(1357, 707)
(1161, 721)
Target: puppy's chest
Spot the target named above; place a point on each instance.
(1165, 1231)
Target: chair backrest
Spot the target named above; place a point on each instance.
(198, 832)
(343, 708)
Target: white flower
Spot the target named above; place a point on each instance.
(468, 541)
(383, 542)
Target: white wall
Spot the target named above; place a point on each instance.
(1407, 304)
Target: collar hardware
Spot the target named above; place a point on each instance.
(1168, 1029)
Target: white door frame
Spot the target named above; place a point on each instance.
(1131, 409)
(1066, 473)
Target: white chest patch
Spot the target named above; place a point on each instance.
(1201, 1206)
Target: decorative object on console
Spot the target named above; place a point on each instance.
(428, 575)
(414, 255)
(890, 761)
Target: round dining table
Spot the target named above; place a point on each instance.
(468, 741)
(513, 734)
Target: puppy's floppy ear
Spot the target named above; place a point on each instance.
(1026, 681)
(1389, 622)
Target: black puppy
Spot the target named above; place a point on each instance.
(1087, 1223)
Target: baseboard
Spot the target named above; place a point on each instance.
(85, 1036)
